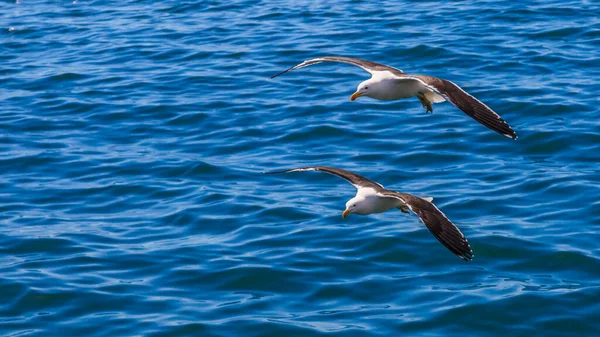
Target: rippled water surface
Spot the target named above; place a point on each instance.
(134, 136)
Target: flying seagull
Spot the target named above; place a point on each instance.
(371, 197)
(387, 83)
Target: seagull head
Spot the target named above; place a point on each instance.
(354, 205)
(363, 89)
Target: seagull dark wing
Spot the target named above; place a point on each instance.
(356, 180)
(366, 65)
(467, 103)
(437, 223)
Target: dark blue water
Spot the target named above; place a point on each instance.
(133, 137)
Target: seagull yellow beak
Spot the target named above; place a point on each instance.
(346, 212)
(355, 95)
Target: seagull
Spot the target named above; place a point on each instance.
(371, 197)
(388, 83)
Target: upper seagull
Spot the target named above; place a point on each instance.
(388, 83)
(371, 197)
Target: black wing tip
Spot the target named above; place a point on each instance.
(466, 253)
(279, 74)
(283, 72)
(500, 126)
(467, 257)
(304, 168)
(512, 135)
(297, 66)
(276, 172)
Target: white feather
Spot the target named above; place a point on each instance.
(434, 97)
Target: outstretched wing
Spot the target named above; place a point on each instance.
(356, 180)
(467, 103)
(439, 225)
(366, 65)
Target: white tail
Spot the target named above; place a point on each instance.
(434, 97)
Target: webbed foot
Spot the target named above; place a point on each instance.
(425, 102)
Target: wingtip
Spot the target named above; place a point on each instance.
(275, 172)
(467, 257)
(271, 172)
(281, 73)
(512, 135)
(470, 255)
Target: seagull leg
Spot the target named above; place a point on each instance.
(404, 209)
(425, 102)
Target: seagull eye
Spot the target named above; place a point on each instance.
(366, 88)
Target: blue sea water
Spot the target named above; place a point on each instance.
(134, 136)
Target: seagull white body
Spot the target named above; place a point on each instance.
(384, 86)
(371, 197)
(367, 201)
(388, 83)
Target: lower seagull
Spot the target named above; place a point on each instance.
(371, 197)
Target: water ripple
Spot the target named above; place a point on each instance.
(134, 140)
